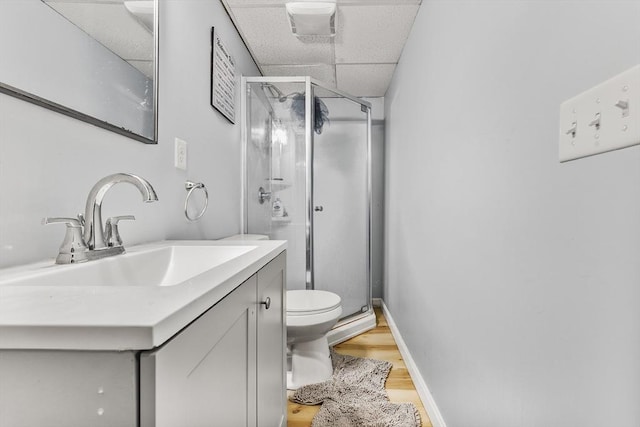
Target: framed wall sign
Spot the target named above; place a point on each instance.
(223, 78)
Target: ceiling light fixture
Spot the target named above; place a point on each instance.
(310, 18)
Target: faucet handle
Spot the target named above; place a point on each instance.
(71, 222)
(73, 248)
(111, 233)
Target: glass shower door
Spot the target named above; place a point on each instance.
(258, 155)
(275, 162)
(341, 203)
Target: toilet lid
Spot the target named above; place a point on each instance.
(311, 301)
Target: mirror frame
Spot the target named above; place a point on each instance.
(59, 108)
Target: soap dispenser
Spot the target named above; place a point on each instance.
(278, 210)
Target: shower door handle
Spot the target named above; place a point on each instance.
(318, 208)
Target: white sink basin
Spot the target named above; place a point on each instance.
(155, 266)
(134, 301)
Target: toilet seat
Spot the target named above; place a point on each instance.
(311, 302)
(312, 319)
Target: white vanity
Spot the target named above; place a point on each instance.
(182, 333)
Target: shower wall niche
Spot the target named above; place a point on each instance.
(307, 180)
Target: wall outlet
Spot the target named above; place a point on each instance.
(181, 154)
(601, 119)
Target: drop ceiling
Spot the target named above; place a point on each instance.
(359, 60)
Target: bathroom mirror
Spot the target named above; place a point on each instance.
(94, 60)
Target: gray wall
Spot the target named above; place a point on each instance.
(49, 162)
(514, 279)
(377, 235)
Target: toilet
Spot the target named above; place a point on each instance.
(310, 315)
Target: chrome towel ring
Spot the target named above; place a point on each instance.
(191, 186)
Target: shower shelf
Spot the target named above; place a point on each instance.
(280, 219)
(278, 184)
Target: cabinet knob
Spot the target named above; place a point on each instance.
(266, 303)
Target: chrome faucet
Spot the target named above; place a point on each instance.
(93, 228)
(86, 237)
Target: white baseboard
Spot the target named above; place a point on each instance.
(421, 386)
(377, 302)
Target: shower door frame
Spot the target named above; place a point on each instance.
(309, 83)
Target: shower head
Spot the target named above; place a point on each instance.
(274, 92)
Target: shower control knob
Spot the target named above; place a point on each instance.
(263, 195)
(318, 209)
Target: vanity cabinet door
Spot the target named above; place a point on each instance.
(271, 371)
(205, 375)
(67, 388)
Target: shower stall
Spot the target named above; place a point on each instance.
(307, 180)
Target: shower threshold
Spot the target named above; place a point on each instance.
(352, 326)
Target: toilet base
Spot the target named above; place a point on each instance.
(310, 363)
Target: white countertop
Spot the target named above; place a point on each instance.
(77, 317)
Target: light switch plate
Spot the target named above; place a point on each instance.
(180, 154)
(603, 118)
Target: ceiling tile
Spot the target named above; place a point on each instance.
(360, 60)
(267, 33)
(364, 79)
(372, 34)
(325, 73)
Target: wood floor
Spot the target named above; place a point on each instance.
(375, 344)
